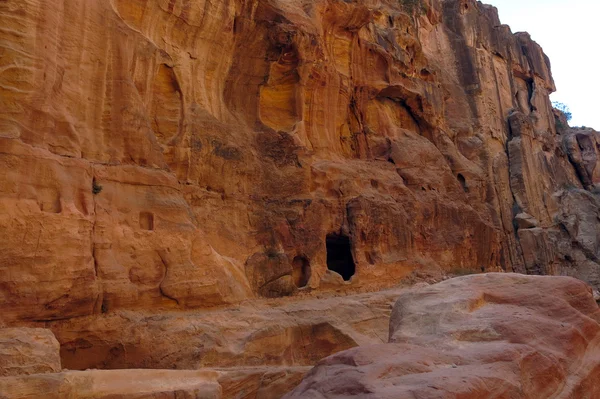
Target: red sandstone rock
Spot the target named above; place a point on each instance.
(252, 335)
(161, 160)
(494, 335)
(160, 155)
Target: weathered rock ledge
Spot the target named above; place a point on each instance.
(484, 336)
(479, 336)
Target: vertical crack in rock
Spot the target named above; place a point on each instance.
(467, 71)
(99, 305)
(162, 256)
(515, 207)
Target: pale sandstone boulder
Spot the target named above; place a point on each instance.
(46, 224)
(483, 336)
(28, 351)
(114, 384)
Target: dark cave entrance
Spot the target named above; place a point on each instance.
(463, 182)
(301, 271)
(147, 221)
(339, 255)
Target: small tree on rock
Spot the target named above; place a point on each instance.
(563, 108)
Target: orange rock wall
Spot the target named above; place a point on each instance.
(166, 154)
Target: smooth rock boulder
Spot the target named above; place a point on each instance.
(480, 336)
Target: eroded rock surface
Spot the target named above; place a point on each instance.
(28, 351)
(170, 169)
(494, 335)
(252, 335)
(185, 154)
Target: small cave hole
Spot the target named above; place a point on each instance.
(371, 257)
(301, 271)
(339, 255)
(463, 182)
(146, 221)
(96, 188)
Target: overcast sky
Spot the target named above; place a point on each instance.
(569, 33)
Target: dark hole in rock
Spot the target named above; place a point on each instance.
(339, 255)
(463, 182)
(301, 271)
(146, 221)
(371, 257)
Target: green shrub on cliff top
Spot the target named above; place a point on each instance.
(563, 108)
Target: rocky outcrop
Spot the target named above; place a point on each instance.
(258, 350)
(190, 154)
(28, 351)
(201, 184)
(255, 334)
(494, 335)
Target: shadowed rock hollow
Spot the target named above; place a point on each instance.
(166, 165)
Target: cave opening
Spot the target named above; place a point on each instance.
(301, 271)
(339, 255)
(147, 221)
(463, 182)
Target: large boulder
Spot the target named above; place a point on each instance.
(28, 351)
(480, 336)
(113, 384)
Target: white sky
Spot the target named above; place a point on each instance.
(569, 33)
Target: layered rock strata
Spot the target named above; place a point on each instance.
(26, 351)
(169, 169)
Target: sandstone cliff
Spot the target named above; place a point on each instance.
(166, 165)
(193, 153)
(490, 336)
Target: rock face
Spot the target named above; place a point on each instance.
(494, 335)
(183, 183)
(256, 334)
(185, 154)
(259, 350)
